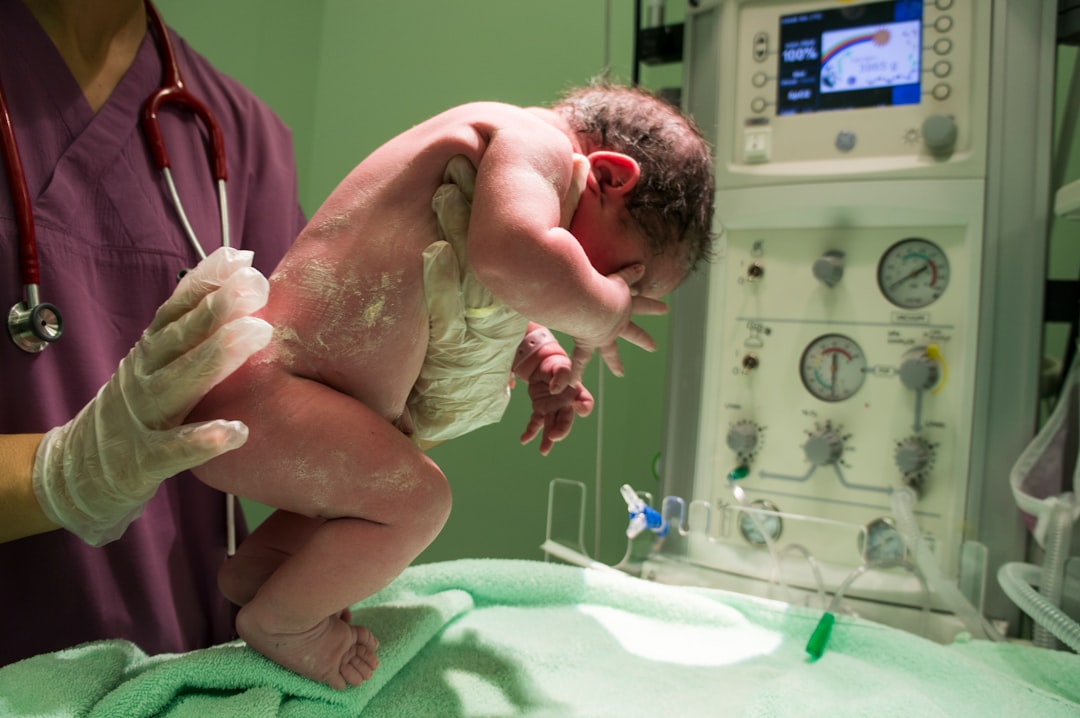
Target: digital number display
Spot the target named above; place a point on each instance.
(845, 58)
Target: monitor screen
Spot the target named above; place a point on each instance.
(845, 58)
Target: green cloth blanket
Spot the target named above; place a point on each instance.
(523, 638)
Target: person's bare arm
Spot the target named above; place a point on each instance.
(20, 513)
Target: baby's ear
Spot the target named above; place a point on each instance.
(615, 170)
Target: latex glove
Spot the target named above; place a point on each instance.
(94, 474)
(543, 363)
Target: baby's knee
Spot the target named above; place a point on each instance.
(433, 501)
(420, 503)
(237, 581)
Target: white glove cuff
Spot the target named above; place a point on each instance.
(531, 344)
(51, 495)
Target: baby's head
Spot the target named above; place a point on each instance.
(672, 201)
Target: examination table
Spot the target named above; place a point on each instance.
(520, 638)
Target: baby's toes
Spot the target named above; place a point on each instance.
(365, 637)
(355, 670)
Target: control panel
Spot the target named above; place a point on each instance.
(871, 320)
(841, 377)
(887, 80)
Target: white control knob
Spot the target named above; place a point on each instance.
(913, 455)
(829, 268)
(823, 447)
(742, 438)
(939, 134)
(918, 371)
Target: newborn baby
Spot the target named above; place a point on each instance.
(392, 333)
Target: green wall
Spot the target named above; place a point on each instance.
(348, 75)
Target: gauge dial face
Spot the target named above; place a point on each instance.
(913, 273)
(833, 367)
(883, 542)
(752, 524)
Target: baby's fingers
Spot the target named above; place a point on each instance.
(637, 336)
(556, 428)
(647, 306)
(561, 379)
(610, 354)
(583, 404)
(630, 274)
(536, 423)
(582, 353)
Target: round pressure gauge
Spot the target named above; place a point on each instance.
(752, 525)
(882, 542)
(833, 367)
(913, 273)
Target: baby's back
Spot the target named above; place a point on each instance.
(347, 301)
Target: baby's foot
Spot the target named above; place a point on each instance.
(332, 652)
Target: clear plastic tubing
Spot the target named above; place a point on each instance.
(903, 502)
(1017, 580)
(1058, 539)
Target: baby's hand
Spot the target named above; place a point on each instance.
(554, 413)
(623, 327)
(544, 364)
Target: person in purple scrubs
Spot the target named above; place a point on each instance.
(75, 75)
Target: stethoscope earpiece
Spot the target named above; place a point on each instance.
(34, 328)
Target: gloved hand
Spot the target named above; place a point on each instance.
(541, 361)
(93, 475)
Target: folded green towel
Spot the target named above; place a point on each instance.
(522, 638)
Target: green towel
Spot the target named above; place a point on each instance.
(523, 638)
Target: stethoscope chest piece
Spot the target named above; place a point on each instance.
(33, 325)
(34, 328)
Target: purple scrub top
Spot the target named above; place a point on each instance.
(110, 247)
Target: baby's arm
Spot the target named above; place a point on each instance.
(518, 249)
(542, 362)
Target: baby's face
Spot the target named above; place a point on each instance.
(611, 242)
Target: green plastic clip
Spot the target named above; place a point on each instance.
(820, 638)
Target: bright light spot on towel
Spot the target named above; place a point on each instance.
(689, 645)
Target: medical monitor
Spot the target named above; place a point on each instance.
(816, 88)
(850, 57)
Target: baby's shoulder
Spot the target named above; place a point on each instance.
(492, 117)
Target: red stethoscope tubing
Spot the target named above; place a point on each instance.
(172, 91)
(29, 271)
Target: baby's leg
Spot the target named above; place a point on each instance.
(277, 538)
(326, 456)
(278, 621)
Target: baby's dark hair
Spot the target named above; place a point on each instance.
(672, 201)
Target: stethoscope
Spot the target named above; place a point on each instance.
(33, 324)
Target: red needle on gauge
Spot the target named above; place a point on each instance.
(911, 275)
